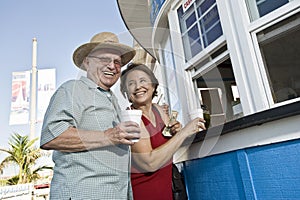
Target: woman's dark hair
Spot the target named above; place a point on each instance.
(141, 67)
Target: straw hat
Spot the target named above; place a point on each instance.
(104, 40)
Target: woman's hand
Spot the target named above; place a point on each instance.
(194, 126)
(175, 127)
(165, 108)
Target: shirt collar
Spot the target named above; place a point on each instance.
(91, 84)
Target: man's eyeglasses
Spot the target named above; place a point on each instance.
(107, 60)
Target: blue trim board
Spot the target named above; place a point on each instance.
(268, 172)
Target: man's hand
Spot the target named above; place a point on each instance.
(123, 133)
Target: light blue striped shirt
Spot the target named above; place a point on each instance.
(95, 174)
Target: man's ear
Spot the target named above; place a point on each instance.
(85, 63)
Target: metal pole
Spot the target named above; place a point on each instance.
(33, 90)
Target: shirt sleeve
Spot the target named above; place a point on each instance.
(59, 115)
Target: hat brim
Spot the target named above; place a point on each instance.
(127, 53)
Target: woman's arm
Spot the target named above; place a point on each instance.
(148, 159)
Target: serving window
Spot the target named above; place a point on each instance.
(218, 92)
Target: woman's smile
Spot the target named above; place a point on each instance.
(139, 86)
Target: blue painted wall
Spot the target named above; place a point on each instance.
(267, 172)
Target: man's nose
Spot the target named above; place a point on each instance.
(111, 64)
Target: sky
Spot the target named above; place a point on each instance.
(60, 26)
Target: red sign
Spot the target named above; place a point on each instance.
(186, 4)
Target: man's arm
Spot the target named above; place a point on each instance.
(75, 140)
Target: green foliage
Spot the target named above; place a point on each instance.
(3, 182)
(23, 153)
(13, 180)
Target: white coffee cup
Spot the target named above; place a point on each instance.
(196, 113)
(132, 115)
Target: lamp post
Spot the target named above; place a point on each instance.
(33, 90)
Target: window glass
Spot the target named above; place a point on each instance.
(204, 6)
(210, 19)
(210, 26)
(280, 48)
(187, 18)
(195, 47)
(212, 34)
(267, 6)
(194, 40)
(259, 8)
(200, 26)
(190, 20)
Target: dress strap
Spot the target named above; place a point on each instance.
(156, 110)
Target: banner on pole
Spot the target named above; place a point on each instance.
(20, 100)
(19, 112)
(46, 88)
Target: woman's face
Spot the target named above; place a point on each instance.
(140, 88)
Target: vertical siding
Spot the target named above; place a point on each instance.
(266, 172)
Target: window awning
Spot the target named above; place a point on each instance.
(136, 16)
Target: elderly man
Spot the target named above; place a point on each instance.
(82, 126)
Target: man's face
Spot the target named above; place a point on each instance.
(103, 67)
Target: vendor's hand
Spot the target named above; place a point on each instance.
(175, 127)
(124, 132)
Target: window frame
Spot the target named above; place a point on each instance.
(259, 57)
(187, 46)
(253, 9)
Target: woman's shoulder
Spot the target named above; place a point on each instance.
(161, 111)
(157, 107)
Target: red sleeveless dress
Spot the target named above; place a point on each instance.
(153, 185)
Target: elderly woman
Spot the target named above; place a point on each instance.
(152, 156)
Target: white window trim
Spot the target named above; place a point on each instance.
(210, 65)
(273, 132)
(278, 12)
(187, 67)
(260, 27)
(249, 66)
(237, 41)
(186, 92)
(205, 53)
(275, 16)
(235, 27)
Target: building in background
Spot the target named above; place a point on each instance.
(239, 58)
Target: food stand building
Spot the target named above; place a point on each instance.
(240, 58)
